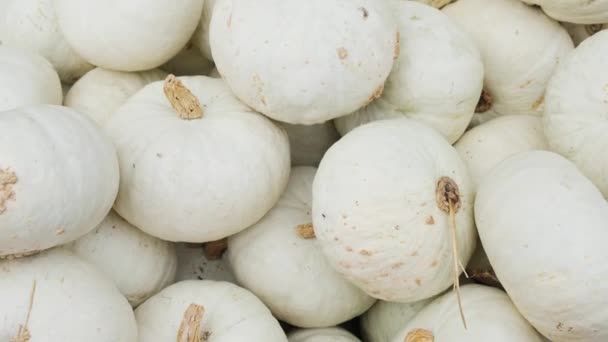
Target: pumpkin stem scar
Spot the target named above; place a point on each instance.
(181, 99)
(8, 178)
(306, 231)
(419, 335)
(215, 249)
(485, 102)
(23, 334)
(190, 328)
(448, 200)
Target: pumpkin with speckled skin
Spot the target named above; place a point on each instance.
(322, 335)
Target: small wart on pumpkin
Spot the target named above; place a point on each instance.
(8, 178)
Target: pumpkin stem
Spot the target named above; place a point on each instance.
(190, 328)
(215, 249)
(181, 99)
(448, 200)
(23, 334)
(306, 231)
(485, 102)
(419, 335)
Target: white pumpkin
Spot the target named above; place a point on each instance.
(381, 199)
(322, 335)
(308, 143)
(195, 262)
(435, 3)
(54, 296)
(308, 61)
(206, 310)
(58, 177)
(100, 92)
(280, 261)
(484, 146)
(543, 226)
(146, 264)
(575, 119)
(385, 319)
(492, 317)
(188, 61)
(129, 35)
(581, 12)
(200, 174)
(437, 78)
(27, 78)
(201, 35)
(31, 25)
(580, 32)
(520, 48)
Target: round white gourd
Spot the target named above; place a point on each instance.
(543, 226)
(188, 61)
(31, 25)
(385, 319)
(190, 178)
(575, 118)
(129, 35)
(193, 262)
(26, 79)
(55, 296)
(145, 264)
(486, 145)
(308, 61)
(100, 92)
(322, 335)
(201, 35)
(206, 310)
(380, 209)
(437, 79)
(308, 143)
(520, 48)
(435, 3)
(491, 317)
(58, 177)
(299, 287)
(580, 32)
(581, 12)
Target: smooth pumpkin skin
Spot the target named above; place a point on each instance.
(520, 48)
(58, 177)
(489, 312)
(100, 92)
(72, 301)
(308, 61)
(26, 79)
(300, 287)
(385, 319)
(575, 117)
(142, 34)
(376, 215)
(232, 314)
(543, 226)
(32, 25)
(322, 335)
(196, 180)
(580, 12)
(147, 264)
(437, 79)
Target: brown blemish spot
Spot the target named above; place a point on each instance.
(525, 84)
(260, 86)
(536, 105)
(342, 53)
(397, 50)
(365, 252)
(364, 12)
(414, 253)
(349, 249)
(397, 265)
(429, 220)
(447, 191)
(8, 179)
(418, 281)
(434, 263)
(419, 335)
(485, 102)
(377, 93)
(306, 231)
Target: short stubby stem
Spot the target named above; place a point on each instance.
(181, 99)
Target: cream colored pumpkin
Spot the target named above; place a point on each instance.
(55, 296)
(129, 35)
(200, 175)
(385, 319)
(201, 35)
(543, 226)
(581, 12)
(308, 143)
(520, 48)
(146, 264)
(328, 59)
(435, 3)
(282, 263)
(491, 316)
(58, 177)
(31, 25)
(380, 209)
(485, 146)
(205, 310)
(195, 263)
(188, 62)
(26, 79)
(575, 118)
(437, 78)
(101, 92)
(322, 335)
(580, 32)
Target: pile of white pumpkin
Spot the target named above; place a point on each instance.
(303, 170)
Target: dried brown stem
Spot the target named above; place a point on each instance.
(190, 328)
(181, 98)
(306, 231)
(419, 335)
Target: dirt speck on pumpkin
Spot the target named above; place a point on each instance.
(364, 12)
(365, 252)
(414, 253)
(418, 281)
(342, 53)
(434, 263)
(430, 220)
(8, 179)
(397, 265)
(538, 103)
